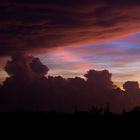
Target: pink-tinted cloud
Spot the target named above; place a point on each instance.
(83, 66)
(28, 26)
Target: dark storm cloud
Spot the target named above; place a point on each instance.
(57, 93)
(40, 24)
(131, 86)
(37, 66)
(28, 88)
(24, 68)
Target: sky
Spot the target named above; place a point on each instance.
(71, 37)
(98, 40)
(120, 56)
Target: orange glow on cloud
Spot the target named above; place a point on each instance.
(63, 54)
(66, 57)
(55, 50)
(83, 67)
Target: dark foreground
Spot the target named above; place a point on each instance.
(93, 116)
(96, 122)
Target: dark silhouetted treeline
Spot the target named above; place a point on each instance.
(93, 115)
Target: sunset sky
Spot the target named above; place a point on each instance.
(120, 56)
(74, 36)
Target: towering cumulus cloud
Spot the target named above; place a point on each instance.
(99, 78)
(28, 88)
(24, 68)
(131, 86)
(27, 25)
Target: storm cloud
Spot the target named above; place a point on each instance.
(41, 24)
(23, 68)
